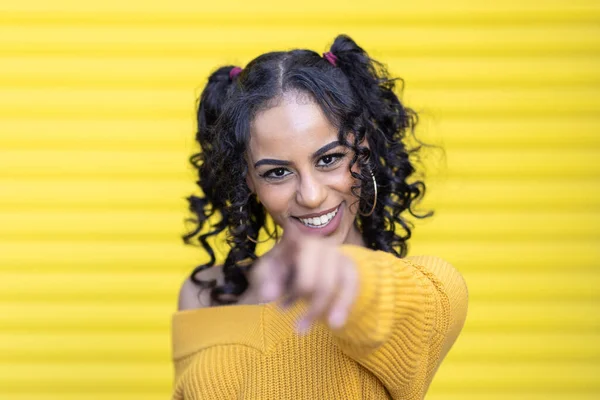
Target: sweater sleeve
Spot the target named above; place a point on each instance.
(406, 317)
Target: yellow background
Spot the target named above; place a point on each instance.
(96, 125)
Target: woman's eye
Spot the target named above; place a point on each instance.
(329, 159)
(276, 173)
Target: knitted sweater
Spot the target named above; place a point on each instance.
(406, 317)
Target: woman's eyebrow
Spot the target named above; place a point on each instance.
(326, 148)
(281, 163)
(270, 161)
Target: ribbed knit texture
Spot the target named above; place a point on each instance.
(404, 321)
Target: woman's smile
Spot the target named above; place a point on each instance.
(324, 223)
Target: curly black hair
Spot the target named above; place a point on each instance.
(357, 96)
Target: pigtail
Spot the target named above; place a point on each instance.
(211, 203)
(373, 87)
(384, 115)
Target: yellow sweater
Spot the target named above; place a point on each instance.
(406, 317)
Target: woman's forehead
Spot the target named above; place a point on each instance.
(288, 128)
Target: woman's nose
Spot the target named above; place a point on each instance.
(311, 193)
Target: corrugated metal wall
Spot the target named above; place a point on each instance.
(96, 123)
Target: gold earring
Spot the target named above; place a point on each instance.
(375, 199)
(256, 241)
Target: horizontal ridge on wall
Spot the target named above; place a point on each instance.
(115, 256)
(494, 316)
(247, 41)
(109, 287)
(167, 226)
(452, 195)
(122, 347)
(188, 72)
(543, 164)
(110, 377)
(374, 7)
(177, 134)
(312, 12)
(120, 103)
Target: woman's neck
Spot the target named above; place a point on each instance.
(355, 237)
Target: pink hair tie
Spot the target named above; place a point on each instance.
(235, 71)
(329, 56)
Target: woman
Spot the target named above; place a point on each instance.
(333, 311)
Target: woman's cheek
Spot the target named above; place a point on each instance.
(276, 200)
(343, 180)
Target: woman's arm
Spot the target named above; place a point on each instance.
(396, 317)
(406, 317)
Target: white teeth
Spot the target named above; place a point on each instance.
(319, 222)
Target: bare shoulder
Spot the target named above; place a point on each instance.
(192, 296)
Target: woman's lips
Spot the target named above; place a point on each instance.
(318, 214)
(325, 230)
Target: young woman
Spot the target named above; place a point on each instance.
(334, 310)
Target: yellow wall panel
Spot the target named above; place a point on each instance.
(97, 123)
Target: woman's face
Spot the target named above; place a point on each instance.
(300, 173)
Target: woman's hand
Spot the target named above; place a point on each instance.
(311, 268)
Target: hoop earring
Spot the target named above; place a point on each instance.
(375, 199)
(256, 241)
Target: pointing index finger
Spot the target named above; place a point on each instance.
(273, 271)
